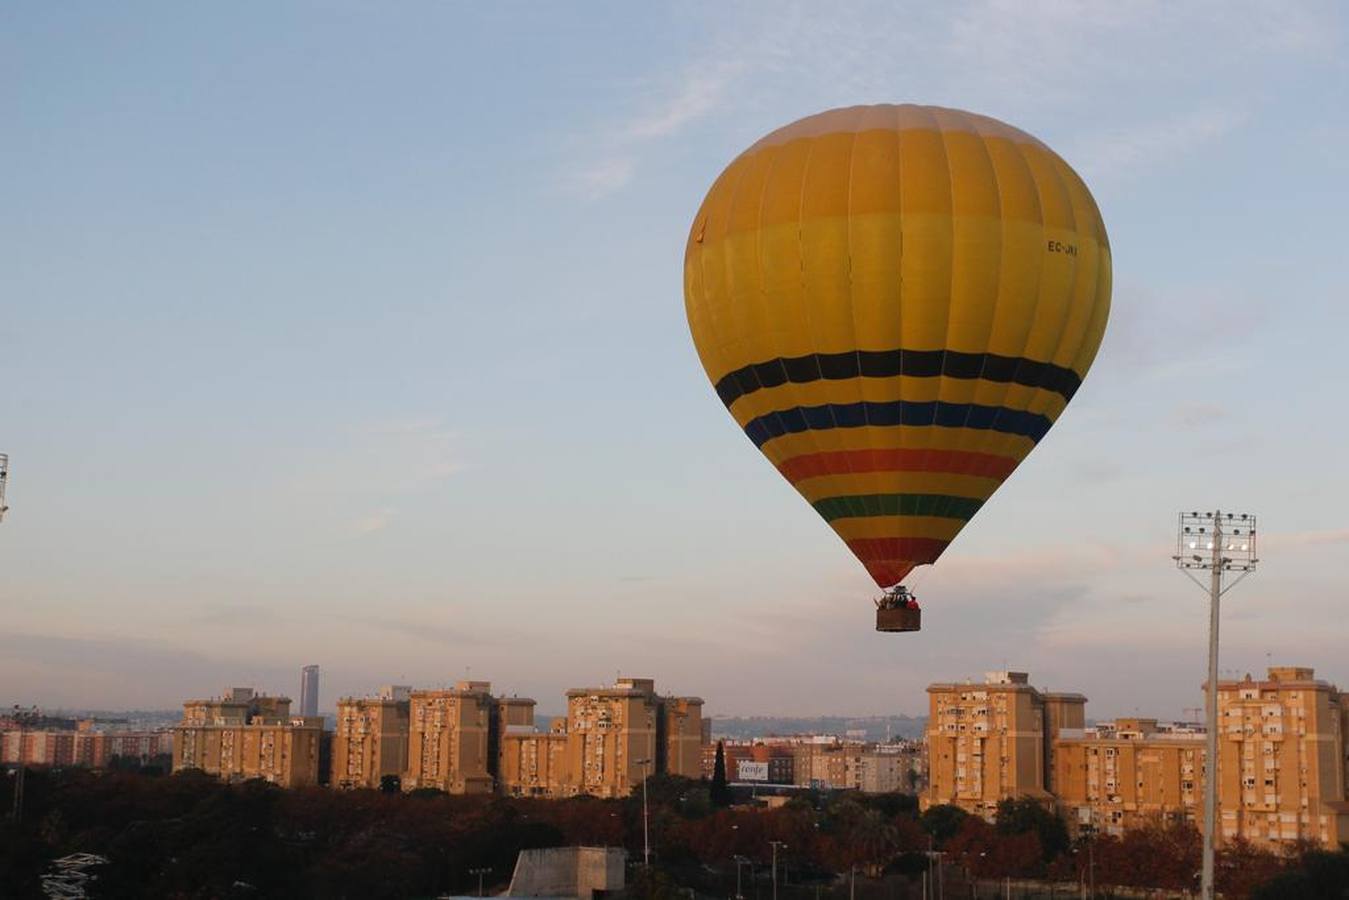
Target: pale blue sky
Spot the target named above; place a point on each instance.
(353, 334)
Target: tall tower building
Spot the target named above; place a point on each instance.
(309, 691)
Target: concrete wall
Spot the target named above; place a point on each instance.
(567, 872)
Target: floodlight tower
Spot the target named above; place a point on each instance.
(1223, 544)
(4, 477)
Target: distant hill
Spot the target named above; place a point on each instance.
(871, 728)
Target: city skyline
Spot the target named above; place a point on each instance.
(324, 347)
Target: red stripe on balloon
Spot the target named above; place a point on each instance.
(888, 560)
(847, 462)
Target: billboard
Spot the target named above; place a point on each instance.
(747, 770)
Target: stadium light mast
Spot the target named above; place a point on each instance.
(1224, 545)
(4, 477)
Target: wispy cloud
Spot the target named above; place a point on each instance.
(376, 521)
(700, 91)
(239, 615)
(114, 671)
(1198, 415)
(1305, 539)
(604, 176)
(384, 458)
(1033, 57)
(1135, 148)
(429, 628)
(667, 107)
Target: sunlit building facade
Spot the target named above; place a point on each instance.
(1283, 760)
(450, 743)
(611, 739)
(992, 741)
(244, 735)
(370, 742)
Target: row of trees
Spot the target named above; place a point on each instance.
(189, 835)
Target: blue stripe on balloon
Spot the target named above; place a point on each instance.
(764, 428)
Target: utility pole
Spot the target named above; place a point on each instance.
(480, 873)
(18, 786)
(775, 845)
(1220, 543)
(646, 832)
(1091, 863)
(1090, 829)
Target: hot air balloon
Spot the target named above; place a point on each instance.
(896, 303)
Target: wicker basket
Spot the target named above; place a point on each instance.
(899, 619)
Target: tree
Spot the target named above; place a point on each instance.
(873, 840)
(943, 821)
(1318, 874)
(992, 853)
(1024, 815)
(721, 792)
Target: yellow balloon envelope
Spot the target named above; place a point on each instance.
(896, 303)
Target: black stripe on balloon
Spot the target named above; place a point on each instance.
(888, 363)
(898, 412)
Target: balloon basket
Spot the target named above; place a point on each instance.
(899, 619)
(898, 611)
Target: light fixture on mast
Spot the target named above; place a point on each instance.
(1224, 544)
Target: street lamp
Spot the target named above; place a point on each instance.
(741, 861)
(1088, 832)
(936, 887)
(646, 831)
(775, 845)
(24, 719)
(1223, 544)
(480, 873)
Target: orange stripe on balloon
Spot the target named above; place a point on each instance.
(845, 462)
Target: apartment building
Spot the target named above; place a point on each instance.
(822, 762)
(244, 735)
(880, 769)
(371, 739)
(991, 741)
(1282, 774)
(764, 761)
(1123, 775)
(1283, 758)
(451, 741)
(609, 741)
